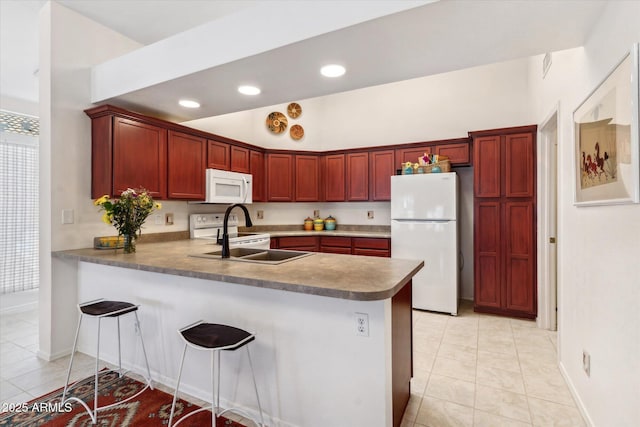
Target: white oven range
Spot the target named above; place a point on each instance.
(210, 226)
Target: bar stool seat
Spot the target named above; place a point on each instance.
(102, 309)
(215, 337)
(108, 308)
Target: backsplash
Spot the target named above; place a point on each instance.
(354, 213)
(342, 227)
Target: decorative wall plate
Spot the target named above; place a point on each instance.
(296, 132)
(277, 122)
(294, 110)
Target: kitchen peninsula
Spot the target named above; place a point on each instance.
(312, 367)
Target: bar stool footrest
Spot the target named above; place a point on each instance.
(91, 413)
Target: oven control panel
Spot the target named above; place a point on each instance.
(199, 221)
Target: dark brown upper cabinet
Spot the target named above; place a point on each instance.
(307, 182)
(257, 170)
(357, 176)
(218, 155)
(186, 166)
(382, 168)
(280, 177)
(240, 159)
(334, 178)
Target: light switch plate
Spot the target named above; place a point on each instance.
(67, 216)
(168, 219)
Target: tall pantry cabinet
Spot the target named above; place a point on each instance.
(505, 221)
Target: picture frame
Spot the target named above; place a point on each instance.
(606, 137)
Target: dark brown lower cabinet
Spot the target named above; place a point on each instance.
(401, 351)
(335, 245)
(369, 246)
(296, 243)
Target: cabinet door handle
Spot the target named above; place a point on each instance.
(552, 239)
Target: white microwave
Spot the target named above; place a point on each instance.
(228, 187)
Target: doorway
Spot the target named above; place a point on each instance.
(547, 223)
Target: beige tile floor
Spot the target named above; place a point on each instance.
(482, 370)
(469, 370)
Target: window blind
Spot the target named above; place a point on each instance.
(19, 231)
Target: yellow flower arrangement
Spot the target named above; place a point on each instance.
(127, 213)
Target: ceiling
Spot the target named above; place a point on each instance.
(429, 39)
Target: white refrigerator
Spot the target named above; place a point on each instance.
(424, 214)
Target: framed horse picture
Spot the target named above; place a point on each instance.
(606, 138)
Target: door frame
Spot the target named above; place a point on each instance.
(548, 136)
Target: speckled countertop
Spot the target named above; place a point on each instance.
(351, 277)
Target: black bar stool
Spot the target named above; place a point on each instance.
(102, 308)
(214, 337)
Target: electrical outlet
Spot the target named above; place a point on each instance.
(362, 324)
(370, 214)
(157, 218)
(168, 219)
(316, 213)
(260, 214)
(586, 362)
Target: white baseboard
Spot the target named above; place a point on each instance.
(576, 396)
(50, 357)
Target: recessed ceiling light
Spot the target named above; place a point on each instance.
(188, 103)
(332, 70)
(248, 90)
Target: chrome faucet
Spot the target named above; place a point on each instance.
(225, 227)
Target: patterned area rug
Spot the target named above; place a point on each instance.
(150, 408)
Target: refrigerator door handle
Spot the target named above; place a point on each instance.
(461, 256)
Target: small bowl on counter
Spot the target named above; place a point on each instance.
(330, 223)
(308, 224)
(108, 242)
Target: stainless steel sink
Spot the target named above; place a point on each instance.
(260, 256)
(237, 252)
(275, 256)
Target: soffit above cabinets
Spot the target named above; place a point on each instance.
(281, 48)
(283, 54)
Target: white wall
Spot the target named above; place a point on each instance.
(599, 247)
(17, 105)
(424, 109)
(69, 45)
